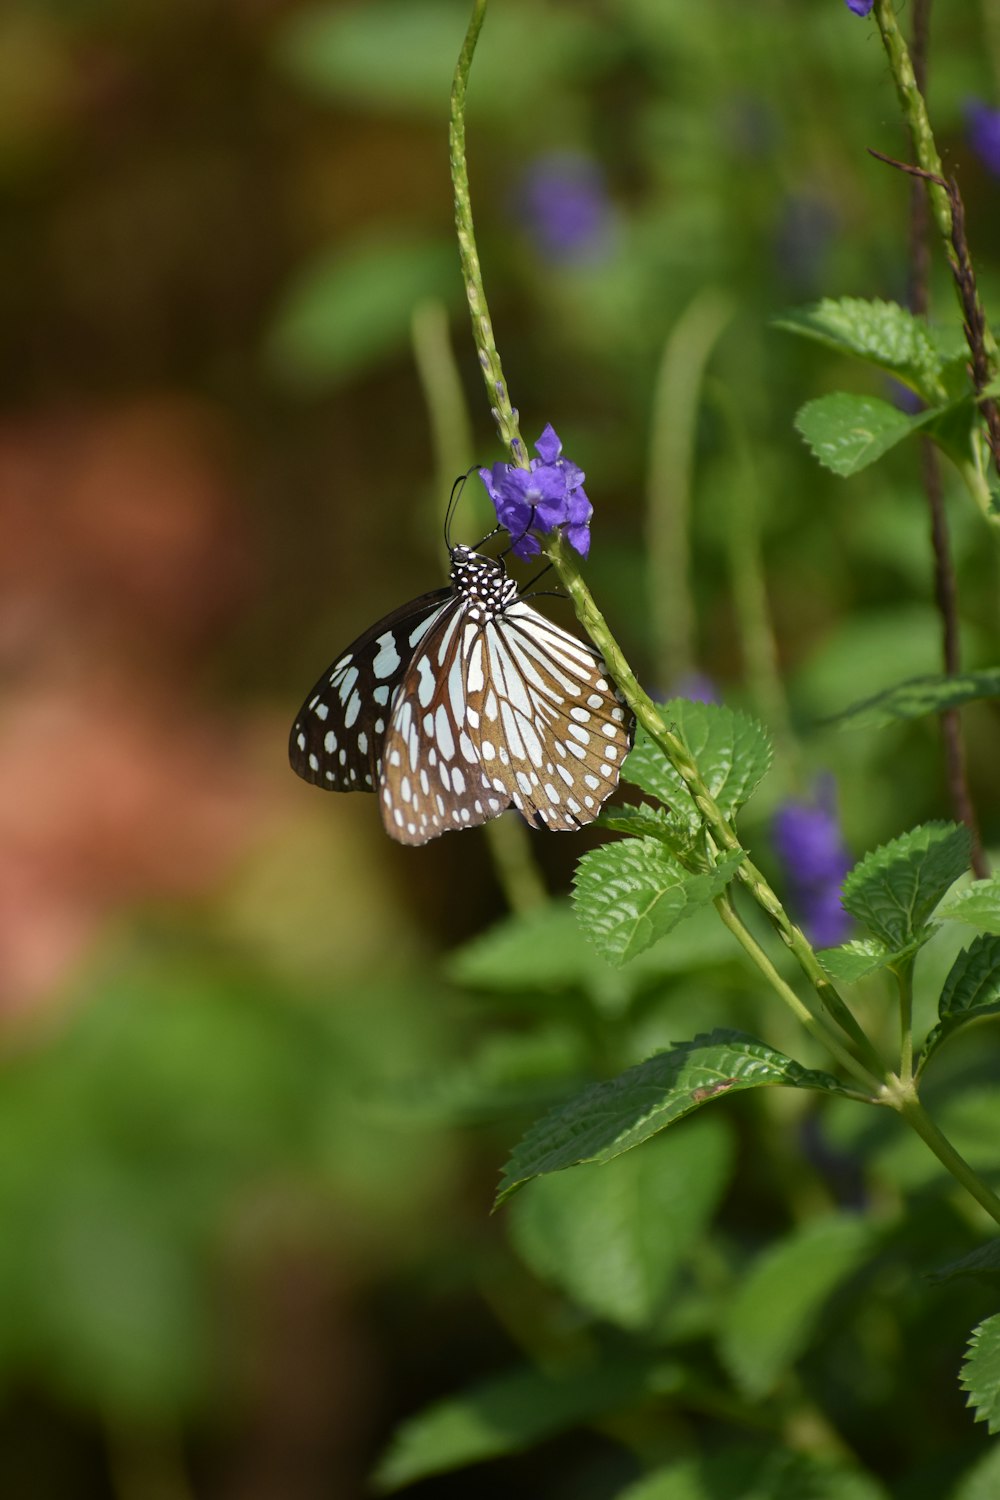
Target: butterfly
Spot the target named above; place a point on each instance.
(462, 703)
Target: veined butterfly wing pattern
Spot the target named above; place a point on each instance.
(464, 702)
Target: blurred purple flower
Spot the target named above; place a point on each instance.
(860, 7)
(903, 398)
(548, 495)
(697, 687)
(808, 841)
(562, 202)
(803, 235)
(983, 124)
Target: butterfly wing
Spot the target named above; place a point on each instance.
(550, 726)
(432, 779)
(337, 738)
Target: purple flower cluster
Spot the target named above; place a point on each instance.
(562, 203)
(984, 133)
(860, 7)
(547, 495)
(808, 841)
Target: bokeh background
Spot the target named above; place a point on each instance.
(241, 1234)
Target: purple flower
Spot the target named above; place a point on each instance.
(903, 398)
(562, 203)
(808, 841)
(983, 125)
(860, 7)
(697, 687)
(547, 495)
(803, 235)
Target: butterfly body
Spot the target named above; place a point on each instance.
(462, 703)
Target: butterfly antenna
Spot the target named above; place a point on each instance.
(453, 499)
(456, 490)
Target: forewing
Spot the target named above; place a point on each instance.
(432, 780)
(337, 738)
(552, 728)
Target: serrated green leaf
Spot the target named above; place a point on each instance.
(852, 961)
(612, 1236)
(917, 697)
(731, 749)
(510, 1413)
(984, 1261)
(981, 1373)
(882, 334)
(649, 822)
(352, 307)
(978, 904)
(773, 1315)
(629, 895)
(895, 888)
(745, 1473)
(847, 433)
(613, 1116)
(971, 991)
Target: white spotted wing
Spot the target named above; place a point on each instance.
(462, 703)
(550, 724)
(336, 740)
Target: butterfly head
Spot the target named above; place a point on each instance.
(482, 583)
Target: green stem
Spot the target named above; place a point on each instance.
(918, 1119)
(815, 1025)
(451, 431)
(898, 1094)
(514, 863)
(718, 825)
(671, 463)
(904, 980)
(758, 640)
(508, 839)
(915, 113)
(482, 328)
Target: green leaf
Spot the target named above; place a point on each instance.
(745, 1473)
(510, 1413)
(982, 1481)
(774, 1313)
(895, 888)
(618, 1113)
(647, 822)
(882, 334)
(847, 433)
(629, 895)
(978, 904)
(854, 960)
(971, 991)
(612, 1236)
(731, 749)
(981, 1373)
(352, 307)
(984, 1261)
(544, 951)
(512, 1071)
(917, 697)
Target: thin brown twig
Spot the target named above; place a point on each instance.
(962, 271)
(945, 588)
